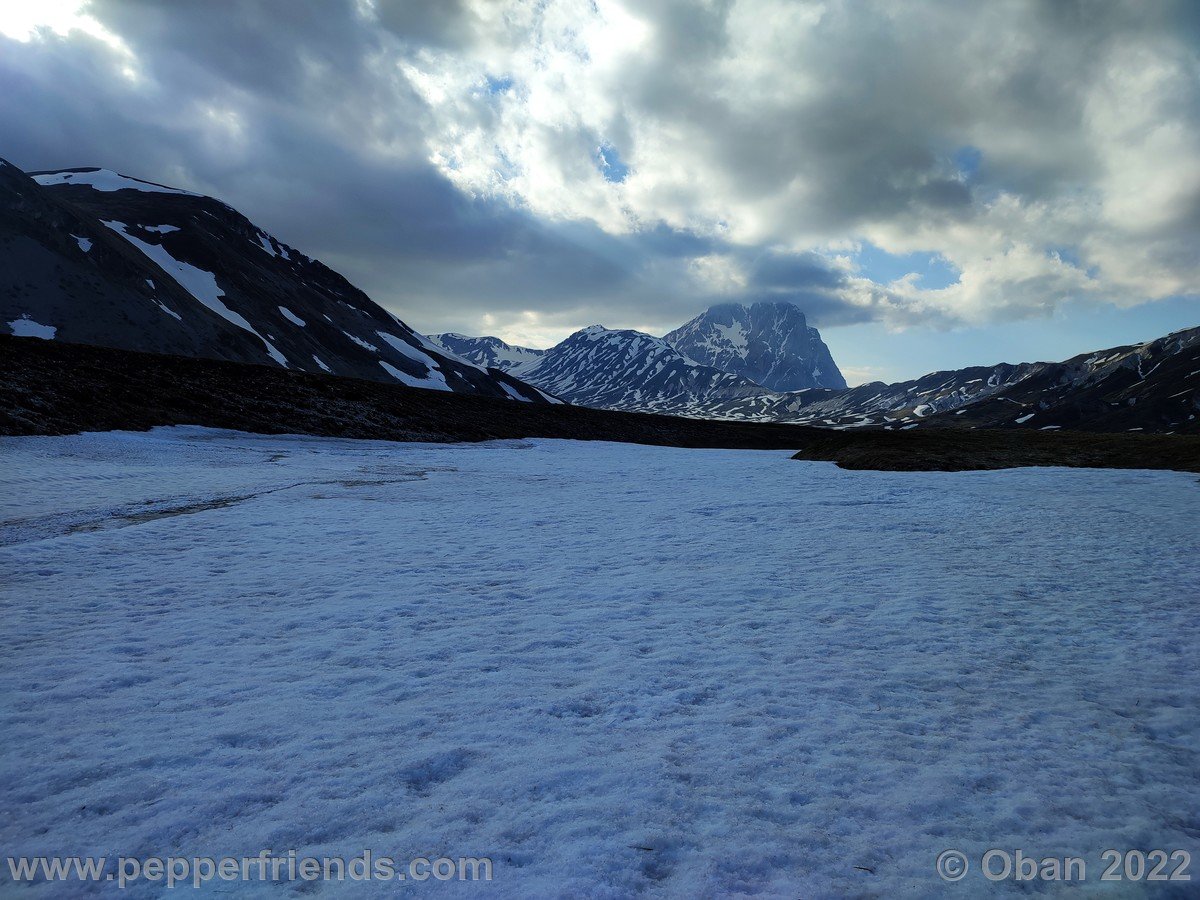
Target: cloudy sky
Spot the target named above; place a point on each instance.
(935, 183)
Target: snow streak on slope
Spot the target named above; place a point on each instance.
(200, 284)
(614, 670)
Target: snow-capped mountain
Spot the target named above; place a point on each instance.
(770, 344)
(489, 352)
(92, 256)
(633, 371)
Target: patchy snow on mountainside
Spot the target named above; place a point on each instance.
(200, 284)
(235, 292)
(614, 670)
(634, 371)
(489, 352)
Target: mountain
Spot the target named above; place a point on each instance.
(95, 257)
(877, 403)
(489, 352)
(629, 370)
(768, 343)
(1153, 386)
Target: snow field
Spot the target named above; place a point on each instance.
(614, 670)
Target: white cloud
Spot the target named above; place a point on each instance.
(810, 125)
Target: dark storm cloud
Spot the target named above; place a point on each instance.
(804, 124)
(792, 271)
(286, 75)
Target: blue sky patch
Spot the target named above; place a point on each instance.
(882, 267)
(610, 164)
(968, 160)
(497, 85)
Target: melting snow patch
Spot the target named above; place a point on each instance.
(1021, 420)
(360, 341)
(403, 377)
(317, 360)
(291, 316)
(26, 327)
(406, 349)
(105, 180)
(161, 229)
(170, 312)
(435, 381)
(513, 393)
(265, 243)
(84, 243)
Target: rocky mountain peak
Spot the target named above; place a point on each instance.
(770, 343)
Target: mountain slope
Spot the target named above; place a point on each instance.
(1153, 387)
(92, 256)
(489, 352)
(768, 343)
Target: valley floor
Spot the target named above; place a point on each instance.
(612, 669)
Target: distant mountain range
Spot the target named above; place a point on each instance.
(629, 370)
(92, 256)
(1154, 386)
(95, 257)
(638, 372)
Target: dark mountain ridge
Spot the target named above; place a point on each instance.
(55, 387)
(93, 256)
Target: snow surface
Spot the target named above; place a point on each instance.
(612, 669)
(106, 180)
(26, 327)
(85, 244)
